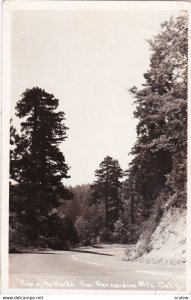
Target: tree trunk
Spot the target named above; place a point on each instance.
(106, 211)
(132, 210)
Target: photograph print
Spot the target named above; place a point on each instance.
(98, 147)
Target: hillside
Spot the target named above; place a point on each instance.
(168, 242)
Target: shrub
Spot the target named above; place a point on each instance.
(106, 236)
(82, 227)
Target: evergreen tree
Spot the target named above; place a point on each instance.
(37, 164)
(106, 189)
(158, 170)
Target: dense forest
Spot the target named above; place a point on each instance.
(120, 204)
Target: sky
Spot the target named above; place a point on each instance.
(88, 59)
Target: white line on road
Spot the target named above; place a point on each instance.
(85, 261)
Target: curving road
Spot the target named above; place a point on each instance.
(91, 269)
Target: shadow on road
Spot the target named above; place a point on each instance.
(56, 253)
(91, 252)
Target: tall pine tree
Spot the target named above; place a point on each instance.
(106, 189)
(37, 165)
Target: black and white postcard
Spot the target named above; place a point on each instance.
(94, 147)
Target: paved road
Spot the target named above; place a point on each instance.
(92, 269)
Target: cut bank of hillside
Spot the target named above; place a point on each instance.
(167, 244)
